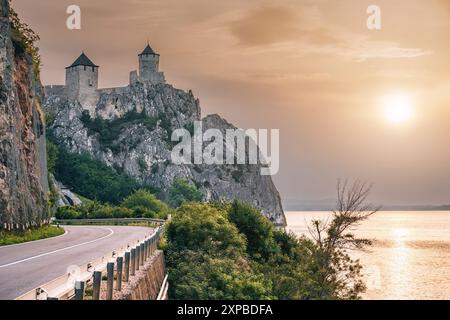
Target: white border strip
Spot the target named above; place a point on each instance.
(59, 250)
(35, 241)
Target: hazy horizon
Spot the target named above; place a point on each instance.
(310, 68)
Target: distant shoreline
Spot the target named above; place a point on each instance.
(392, 209)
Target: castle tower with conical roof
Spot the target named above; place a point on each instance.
(149, 68)
(82, 80)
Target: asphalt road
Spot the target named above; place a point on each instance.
(24, 267)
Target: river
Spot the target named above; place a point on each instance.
(410, 255)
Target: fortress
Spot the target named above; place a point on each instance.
(82, 78)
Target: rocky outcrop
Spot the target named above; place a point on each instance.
(23, 167)
(243, 182)
(63, 195)
(131, 130)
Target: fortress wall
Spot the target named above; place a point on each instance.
(118, 90)
(55, 90)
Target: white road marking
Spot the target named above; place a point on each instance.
(35, 241)
(59, 250)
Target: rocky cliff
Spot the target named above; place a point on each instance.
(23, 168)
(131, 129)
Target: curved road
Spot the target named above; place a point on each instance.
(26, 266)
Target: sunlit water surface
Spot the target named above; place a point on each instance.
(410, 255)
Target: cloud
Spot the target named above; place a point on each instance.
(265, 26)
(360, 49)
(386, 51)
(303, 30)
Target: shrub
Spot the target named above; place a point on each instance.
(182, 191)
(24, 39)
(145, 204)
(202, 227)
(142, 165)
(257, 229)
(118, 212)
(92, 179)
(52, 156)
(206, 257)
(198, 275)
(49, 118)
(67, 213)
(108, 131)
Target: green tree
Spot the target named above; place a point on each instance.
(200, 226)
(255, 227)
(198, 275)
(338, 275)
(92, 179)
(206, 257)
(145, 204)
(52, 156)
(182, 191)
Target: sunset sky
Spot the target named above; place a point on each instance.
(310, 68)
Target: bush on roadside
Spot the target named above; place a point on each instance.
(145, 205)
(141, 204)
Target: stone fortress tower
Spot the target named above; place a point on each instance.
(82, 79)
(148, 68)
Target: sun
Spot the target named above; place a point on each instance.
(398, 108)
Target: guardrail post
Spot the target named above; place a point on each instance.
(142, 254)
(79, 290)
(138, 256)
(110, 280)
(127, 267)
(153, 243)
(119, 273)
(133, 261)
(150, 251)
(146, 250)
(96, 285)
(150, 242)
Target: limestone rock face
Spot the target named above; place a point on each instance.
(142, 146)
(23, 166)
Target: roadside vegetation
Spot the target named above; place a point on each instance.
(15, 237)
(87, 177)
(231, 251)
(140, 204)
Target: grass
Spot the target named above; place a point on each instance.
(84, 199)
(15, 237)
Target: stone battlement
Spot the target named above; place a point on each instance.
(82, 79)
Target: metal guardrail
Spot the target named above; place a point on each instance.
(118, 221)
(164, 289)
(124, 261)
